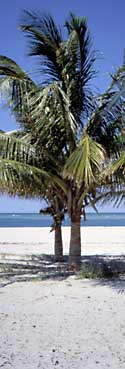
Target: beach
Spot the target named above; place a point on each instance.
(94, 240)
(66, 323)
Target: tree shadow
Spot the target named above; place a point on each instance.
(42, 267)
(32, 268)
(113, 268)
(115, 263)
(116, 283)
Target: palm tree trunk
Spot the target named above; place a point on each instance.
(75, 242)
(58, 245)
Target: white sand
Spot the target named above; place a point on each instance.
(95, 240)
(70, 324)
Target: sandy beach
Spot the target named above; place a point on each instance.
(66, 323)
(94, 240)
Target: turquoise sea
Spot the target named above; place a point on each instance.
(37, 220)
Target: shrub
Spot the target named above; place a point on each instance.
(95, 271)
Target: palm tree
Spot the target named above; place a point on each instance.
(21, 174)
(67, 125)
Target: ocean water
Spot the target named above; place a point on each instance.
(38, 220)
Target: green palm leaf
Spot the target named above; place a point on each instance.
(45, 42)
(116, 169)
(80, 66)
(12, 148)
(22, 179)
(15, 87)
(20, 159)
(51, 112)
(118, 164)
(85, 161)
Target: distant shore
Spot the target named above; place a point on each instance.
(94, 240)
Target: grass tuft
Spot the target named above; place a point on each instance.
(94, 271)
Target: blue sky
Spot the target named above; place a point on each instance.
(106, 20)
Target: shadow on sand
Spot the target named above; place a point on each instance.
(41, 267)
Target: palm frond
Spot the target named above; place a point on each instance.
(53, 117)
(105, 124)
(59, 182)
(45, 42)
(16, 154)
(15, 86)
(117, 78)
(12, 148)
(80, 66)
(115, 195)
(117, 166)
(22, 179)
(8, 67)
(85, 161)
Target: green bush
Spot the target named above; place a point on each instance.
(94, 271)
